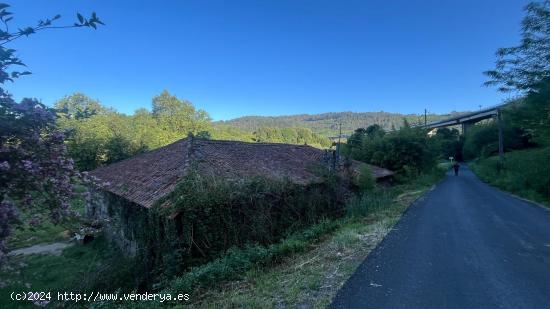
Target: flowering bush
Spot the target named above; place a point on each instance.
(33, 155)
(33, 158)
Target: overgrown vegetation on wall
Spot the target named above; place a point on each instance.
(205, 216)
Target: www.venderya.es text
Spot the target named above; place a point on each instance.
(46, 297)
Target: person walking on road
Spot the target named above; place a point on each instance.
(456, 166)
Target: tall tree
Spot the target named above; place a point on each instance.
(179, 117)
(78, 106)
(523, 66)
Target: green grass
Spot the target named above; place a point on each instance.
(70, 271)
(446, 165)
(25, 235)
(525, 173)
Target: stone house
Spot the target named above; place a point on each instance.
(133, 186)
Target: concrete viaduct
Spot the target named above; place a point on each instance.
(469, 119)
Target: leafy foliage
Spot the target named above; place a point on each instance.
(7, 55)
(482, 140)
(291, 136)
(407, 150)
(449, 143)
(531, 114)
(523, 66)
(526, 172)
(366, 181)
(236, 261)
(178, 118)
(79, 106)
(213, 215)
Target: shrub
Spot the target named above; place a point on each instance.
(236, 261)
(366, 180)
(525, 172)
(406, 151)
(482, 140)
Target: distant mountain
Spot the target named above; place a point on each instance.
(327, 124)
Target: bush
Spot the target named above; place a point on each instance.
(366, 180)
(482, 140)
(236, 261)
(525, 172)
(407, 151)
(532, 114)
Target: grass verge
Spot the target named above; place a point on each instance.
(525, 173)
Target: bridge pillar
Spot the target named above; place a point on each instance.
(466, 127)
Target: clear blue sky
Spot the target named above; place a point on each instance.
(235, 58)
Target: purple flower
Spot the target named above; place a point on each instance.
(4, 166)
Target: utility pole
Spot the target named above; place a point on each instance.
(500, 141)
(339, 137)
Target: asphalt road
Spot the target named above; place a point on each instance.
(466, 245)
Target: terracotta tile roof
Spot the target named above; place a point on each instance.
(147, 177)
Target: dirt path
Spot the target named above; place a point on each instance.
(49, 248)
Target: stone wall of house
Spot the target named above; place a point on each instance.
(123, 221)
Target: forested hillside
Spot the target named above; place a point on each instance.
(327, 124)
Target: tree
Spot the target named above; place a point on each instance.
(523, 66)
(532, 114)
(178, 117)
(482, 140)
(374, 130)
(448, 143)
(79, 106)
(407, 151)
(354, 146)
(33, 154)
